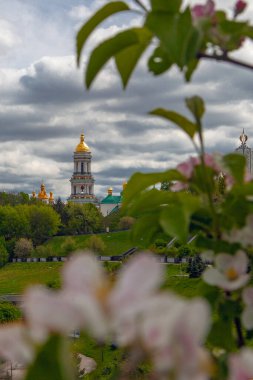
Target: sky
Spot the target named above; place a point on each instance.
(44, 106)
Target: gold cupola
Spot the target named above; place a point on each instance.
(82, 146)
(109, 191)
(42, 194)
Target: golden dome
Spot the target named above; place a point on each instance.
(82, 146)
(51, 198)
(42, 194)
(110, 189)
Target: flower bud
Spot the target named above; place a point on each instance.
(240, 6)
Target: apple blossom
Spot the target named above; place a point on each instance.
(173, 330)
(203, 11)
(241, 365)
(86, 365)
(243, 235)
(230, 271)
(16, 344)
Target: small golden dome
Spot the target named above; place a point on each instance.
(110, 190)
(33, 194)
(82, 146)
(51, 197)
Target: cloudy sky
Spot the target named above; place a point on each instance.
(44, 106)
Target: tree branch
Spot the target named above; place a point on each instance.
(240, 339)
(225, 58)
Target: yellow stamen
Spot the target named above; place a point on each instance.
(231, 274)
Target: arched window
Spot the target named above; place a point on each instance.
(76, 167)
(82, 167)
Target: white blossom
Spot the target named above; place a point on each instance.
(229, 272)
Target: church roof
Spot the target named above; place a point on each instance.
(112, 199)
(82, 146)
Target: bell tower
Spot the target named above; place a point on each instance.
(82, 181)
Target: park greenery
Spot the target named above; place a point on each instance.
(159, 334)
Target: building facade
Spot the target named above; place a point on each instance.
(82, 181)
(246, 152)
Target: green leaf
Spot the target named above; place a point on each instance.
(197, 107)
(221, 336)
(166, 5)
(236, 164)
(159, 61)
(175, 218)
(145, 230)
(106, 50)
(185, 124)
(94, 21)
(52, 362)
(178, 36)
(127, 59)
(140, 182)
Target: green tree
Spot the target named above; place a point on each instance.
(4, 256)
(195, 266)
(43, 221)
(13, 223)
(85, 218)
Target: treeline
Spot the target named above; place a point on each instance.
(26, 225)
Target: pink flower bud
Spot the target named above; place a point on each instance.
(240, 6)
(200, 11)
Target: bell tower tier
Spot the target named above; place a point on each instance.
(82, 181)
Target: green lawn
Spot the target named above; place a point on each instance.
(14, 278)
(116, 243)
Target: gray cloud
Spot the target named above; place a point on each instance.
(44, 107)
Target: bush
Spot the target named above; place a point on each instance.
(184, 251)
(126, 222)
(68, 246)
(160, 243)
(43, 251)
(195, 267)
(96, 244)
(9, 312)
(172, 252)
(23, 248)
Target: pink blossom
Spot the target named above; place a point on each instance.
(15, 344)
(247, 314)
(239, 7)
(241, 365)
(230, 271)
(173, 331)
(202, 11)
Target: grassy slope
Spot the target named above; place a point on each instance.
(116, 243)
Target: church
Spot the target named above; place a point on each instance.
(82, 182)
